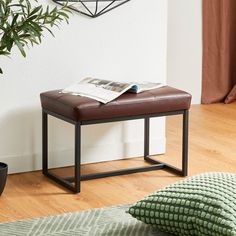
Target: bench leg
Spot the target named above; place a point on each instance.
(45, 142)
(185, 144)
(77, 157)
(146, 137)
(66, 182)
(184, 170)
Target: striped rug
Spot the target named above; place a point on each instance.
(112, 221)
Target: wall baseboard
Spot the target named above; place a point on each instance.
(60, 158)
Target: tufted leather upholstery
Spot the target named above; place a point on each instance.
(77, 108)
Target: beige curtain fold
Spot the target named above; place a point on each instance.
(219, 51)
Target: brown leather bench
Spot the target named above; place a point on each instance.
(79, 111)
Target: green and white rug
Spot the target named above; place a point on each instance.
(112, 221)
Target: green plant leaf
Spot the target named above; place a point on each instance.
(35, 10)
(9, 44)
(14, 20)
(21, 47)
(23, 23)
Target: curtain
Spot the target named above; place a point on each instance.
(219, 51)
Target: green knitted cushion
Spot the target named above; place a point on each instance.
(202, 205)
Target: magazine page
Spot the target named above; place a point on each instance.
(144, 86)
(98, 89)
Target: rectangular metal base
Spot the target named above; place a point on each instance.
(73, 183)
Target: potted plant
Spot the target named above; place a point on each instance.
(23, 23)
(3, 176)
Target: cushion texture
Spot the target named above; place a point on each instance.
(202, 205)
(77, 108)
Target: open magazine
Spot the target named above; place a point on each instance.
(106, 90)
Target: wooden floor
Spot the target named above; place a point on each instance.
(212, 147)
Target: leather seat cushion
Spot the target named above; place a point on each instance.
(77, 108)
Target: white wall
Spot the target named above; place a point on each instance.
(184, 53)
(128, 43)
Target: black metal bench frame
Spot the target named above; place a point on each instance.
(155, 164)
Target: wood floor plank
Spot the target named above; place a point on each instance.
(212, 147)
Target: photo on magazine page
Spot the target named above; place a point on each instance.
(107, 84)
